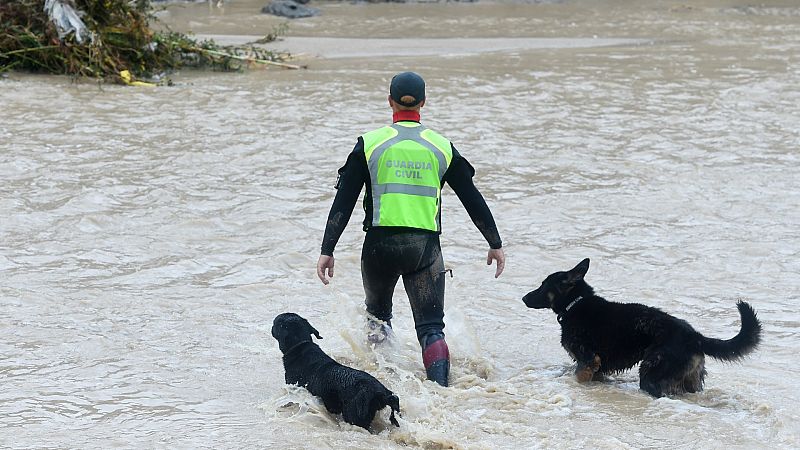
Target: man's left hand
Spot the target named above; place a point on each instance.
(496, 254)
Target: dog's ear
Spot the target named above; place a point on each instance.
(312, 330)
(578, 272)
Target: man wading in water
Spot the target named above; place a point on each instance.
(404, 166)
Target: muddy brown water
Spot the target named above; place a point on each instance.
(149, 236)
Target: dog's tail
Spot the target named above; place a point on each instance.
(393, 402)
(738, 346)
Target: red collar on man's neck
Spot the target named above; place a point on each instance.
(405, 115)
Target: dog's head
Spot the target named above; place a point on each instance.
(558, 289)
(289, 329)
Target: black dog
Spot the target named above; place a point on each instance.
(607, 337)
(354, 394)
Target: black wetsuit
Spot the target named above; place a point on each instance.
(414, 254)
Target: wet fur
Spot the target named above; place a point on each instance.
(354, 394)
(605, 337)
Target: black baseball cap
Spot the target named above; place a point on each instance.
(407, 83)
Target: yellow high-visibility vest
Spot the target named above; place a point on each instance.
(406, 162)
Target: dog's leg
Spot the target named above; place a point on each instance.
(332, 403)
(651, 374)
(358, 409)
(651, 387)
(666, 371)
(695, 374)
(587, 370)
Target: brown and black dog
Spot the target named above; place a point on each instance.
(606, 337)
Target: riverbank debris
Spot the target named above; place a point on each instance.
(127, 78)
(103, 38)
(66, 20)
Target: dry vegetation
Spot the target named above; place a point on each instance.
(119, 38)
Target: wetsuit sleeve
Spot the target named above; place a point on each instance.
(459, 177)
(352, 177)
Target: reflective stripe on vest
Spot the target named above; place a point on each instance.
(406, 164)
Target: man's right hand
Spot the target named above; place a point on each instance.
(325, 262)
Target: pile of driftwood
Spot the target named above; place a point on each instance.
(106, 38)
